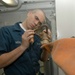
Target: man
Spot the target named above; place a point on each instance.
(17, 55)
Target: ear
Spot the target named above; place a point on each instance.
(47, 47)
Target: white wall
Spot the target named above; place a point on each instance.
(65, 20)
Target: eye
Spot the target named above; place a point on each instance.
(36, 18)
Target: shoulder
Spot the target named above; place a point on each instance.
(10, 27)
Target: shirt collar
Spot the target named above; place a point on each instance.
(22, 26)
(17, 26)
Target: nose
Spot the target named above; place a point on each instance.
(36, 22)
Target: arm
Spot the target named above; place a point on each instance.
(44, 55)
(46, 37)
(8, 58)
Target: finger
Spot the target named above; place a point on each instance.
(30, 37)
(29, 30)
(43, 45)
(44, 30)
(31, 40)
(28, 33)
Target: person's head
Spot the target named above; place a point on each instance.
(34, 18)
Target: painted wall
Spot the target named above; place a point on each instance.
(65, 20)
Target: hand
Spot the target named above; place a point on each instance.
(45, 36)
(28, 34)
(49, 33)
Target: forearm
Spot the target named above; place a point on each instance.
(8, 58)
(44, 55)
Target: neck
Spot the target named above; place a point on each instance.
(24, 25)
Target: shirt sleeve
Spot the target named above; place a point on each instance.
(4, 43)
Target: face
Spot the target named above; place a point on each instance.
(35, 19)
